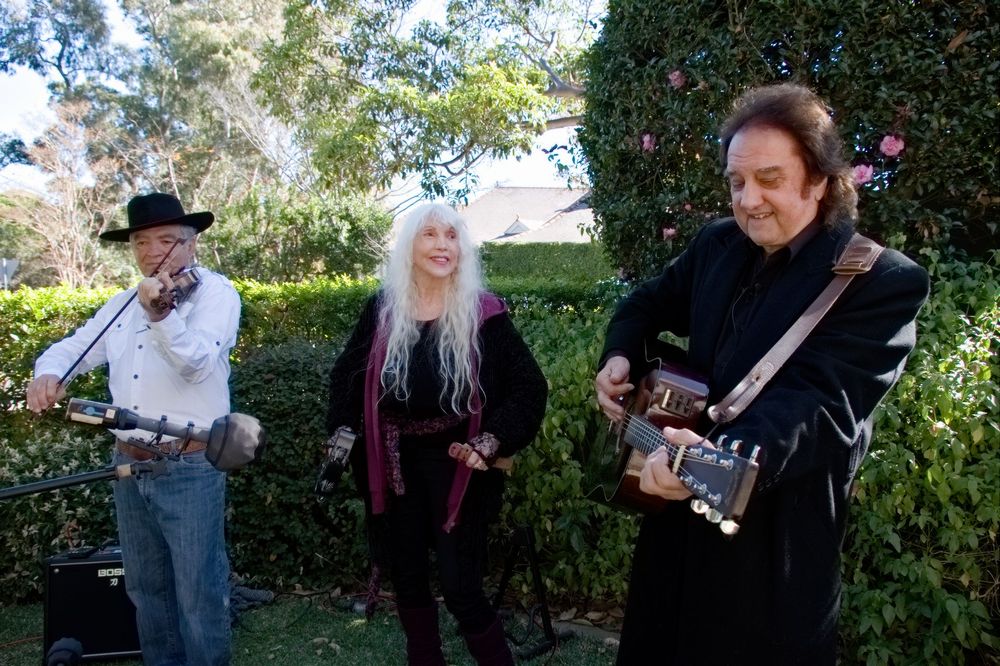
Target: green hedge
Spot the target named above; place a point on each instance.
(289, 336)
(576, 263)
(664, 73)
(33, 527)
(922, 551)
(922, 555)
(277, 530)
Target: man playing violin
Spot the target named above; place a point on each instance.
(167, 355)
(771, 593)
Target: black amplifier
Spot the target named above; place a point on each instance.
(85, 599)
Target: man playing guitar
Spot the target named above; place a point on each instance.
(773, 589)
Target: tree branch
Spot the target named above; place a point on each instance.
(566, 121)
(558, 87)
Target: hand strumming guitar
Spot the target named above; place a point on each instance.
(612, 385)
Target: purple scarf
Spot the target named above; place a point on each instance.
(378, 464)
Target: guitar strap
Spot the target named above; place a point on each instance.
(858, 257)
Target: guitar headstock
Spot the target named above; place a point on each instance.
(720, 478)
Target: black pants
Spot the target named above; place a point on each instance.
(415, 522)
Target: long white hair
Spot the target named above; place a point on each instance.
(456, 341)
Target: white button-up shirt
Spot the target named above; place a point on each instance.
(177, 367)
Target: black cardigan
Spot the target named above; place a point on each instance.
(513, 385)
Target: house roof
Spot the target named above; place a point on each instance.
(529, 215)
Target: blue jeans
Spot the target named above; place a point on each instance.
(171, 530)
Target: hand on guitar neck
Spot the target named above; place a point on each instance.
(659, 457)
(657, 477)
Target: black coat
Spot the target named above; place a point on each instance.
(772, 593)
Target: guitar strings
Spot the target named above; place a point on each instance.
(651, 438)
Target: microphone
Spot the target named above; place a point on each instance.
(233, 441)
(119, 418)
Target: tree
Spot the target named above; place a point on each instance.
(67, 37)
(285, 236)
(83, 195)
(12, 151)
(378, 93)
(20, 243)
(343, 103)
(183, 91)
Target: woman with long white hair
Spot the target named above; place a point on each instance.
(435, 360)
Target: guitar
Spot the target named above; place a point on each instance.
(718, 476)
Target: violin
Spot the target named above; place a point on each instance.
(191, 283)
(184, 283)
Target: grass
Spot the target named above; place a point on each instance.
(304, 632)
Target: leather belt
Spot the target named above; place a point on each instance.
(142, 454)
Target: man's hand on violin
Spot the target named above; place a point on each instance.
(156, 295)
(43, 392)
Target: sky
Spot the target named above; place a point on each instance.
(24, 113)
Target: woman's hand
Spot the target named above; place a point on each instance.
(475, 461)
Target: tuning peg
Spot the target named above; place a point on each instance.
(754, 454)
(699, 506)
(729, 527)
(735, 446)
(720, 442)
(713, 516)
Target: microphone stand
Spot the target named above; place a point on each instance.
(155, 467)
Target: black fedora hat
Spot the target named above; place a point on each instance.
(155, 210)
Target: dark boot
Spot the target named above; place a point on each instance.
(423, 641)
(490, 647)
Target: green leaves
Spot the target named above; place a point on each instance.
(278, 235)
(929, 488)
(45, 524)
(378, 96)
(886, 69)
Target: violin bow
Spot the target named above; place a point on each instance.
(62, 380)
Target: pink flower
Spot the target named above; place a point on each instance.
(687, 206)
(669, 232)
(648, 142)
(891, 145)
(677, 78)
(863, 173)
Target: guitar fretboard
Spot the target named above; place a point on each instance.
(643, 436)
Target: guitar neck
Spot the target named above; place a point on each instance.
(642, 435)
